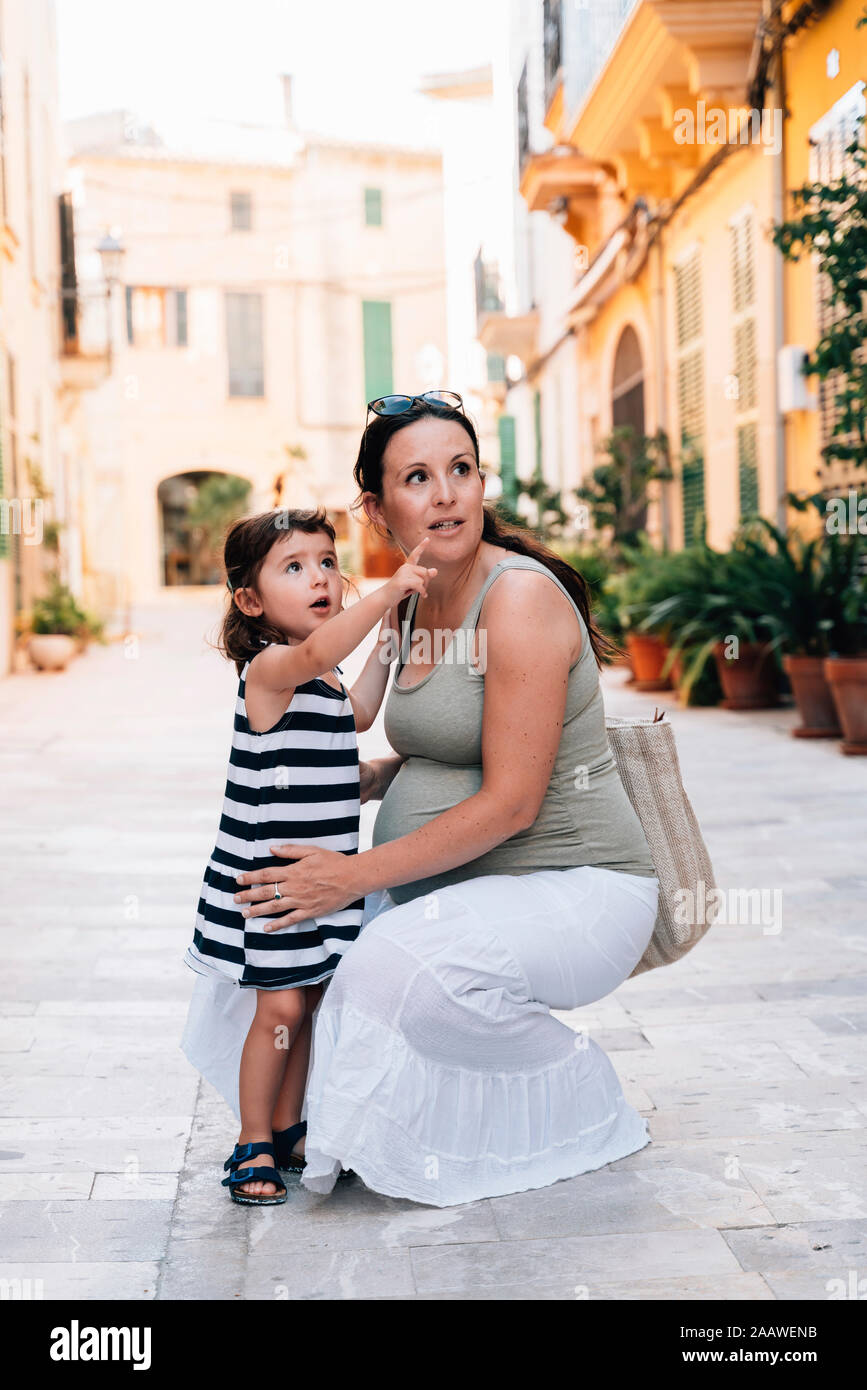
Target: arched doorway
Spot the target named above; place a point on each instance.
(195, 511)
(627, 386)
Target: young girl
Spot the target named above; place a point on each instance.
(293, 777)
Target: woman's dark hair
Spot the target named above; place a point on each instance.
(368, 477)
(248, 541)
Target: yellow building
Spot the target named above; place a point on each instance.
(669, 176)
(824, 66)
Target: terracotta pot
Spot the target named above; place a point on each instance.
(647, 654)
(812, 696)
(847, 677)
(51, 651)
(749, 681)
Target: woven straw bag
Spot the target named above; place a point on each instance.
(647, 761)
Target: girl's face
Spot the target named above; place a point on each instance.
(431, 486)
(299, 585)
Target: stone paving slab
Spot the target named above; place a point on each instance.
(749, 1056)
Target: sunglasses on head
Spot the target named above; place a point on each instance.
(396, 405)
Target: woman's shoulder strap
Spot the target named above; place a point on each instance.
(528, 562)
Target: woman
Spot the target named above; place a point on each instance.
(509, 874)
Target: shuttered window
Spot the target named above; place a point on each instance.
(373, 208)
(537, 430)
(748, 472)
(828, 162)
(742, 262)
(376, 327)
(690, 388)
(241, 211)
(245, 344)
(496, 367)
(508, 457)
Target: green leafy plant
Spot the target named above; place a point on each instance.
(221, 498)
(817, 584)
(595, 564)
(830, 222)
(58, 612)
(617, 489)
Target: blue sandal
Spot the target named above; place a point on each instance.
(238, 1176)
(288, 1161)
(284, 1142)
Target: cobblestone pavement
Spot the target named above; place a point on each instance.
(748, 1056)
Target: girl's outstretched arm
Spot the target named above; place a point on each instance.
(367, 692)
(281, 667)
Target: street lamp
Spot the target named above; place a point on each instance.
(111, 253)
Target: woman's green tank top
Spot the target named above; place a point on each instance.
(436, 725)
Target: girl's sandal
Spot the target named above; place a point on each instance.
(238, 1176)
(288, 1161)
(284, 1143)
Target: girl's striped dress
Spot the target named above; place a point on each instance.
(295, 783)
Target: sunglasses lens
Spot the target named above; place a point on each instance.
(391, 405)
(449, 398)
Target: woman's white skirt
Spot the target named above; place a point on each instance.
(438, 1072)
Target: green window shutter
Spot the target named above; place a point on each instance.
(537, 427)
(508, 458)
(690, 389)
(372, 211)
(376, 327)
(692, 485)
(748, 473)
(128, 299)
(496, 367)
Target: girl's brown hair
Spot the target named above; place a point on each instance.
(368, 476)
(247, 543)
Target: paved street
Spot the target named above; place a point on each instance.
(748, 1056)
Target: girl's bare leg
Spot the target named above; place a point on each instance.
(279, 1016)
(287, 1110)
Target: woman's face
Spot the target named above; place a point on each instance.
(431, 486)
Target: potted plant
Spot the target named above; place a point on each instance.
(719, 606)
(596, 564)
(57, 628)
(651, 577)
(808, 580)
(846, 667)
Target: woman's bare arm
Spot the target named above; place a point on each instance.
(526, 680)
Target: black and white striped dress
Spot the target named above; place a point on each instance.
(296, 783)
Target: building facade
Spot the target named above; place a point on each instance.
(264, 296)
(667, 165)
(33, 478)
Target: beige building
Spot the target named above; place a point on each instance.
(268, 288)
(33, 485)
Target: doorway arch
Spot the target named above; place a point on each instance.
(195, 509)
(627, 382)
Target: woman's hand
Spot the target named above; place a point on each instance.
(368, 774)
(322, 881)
